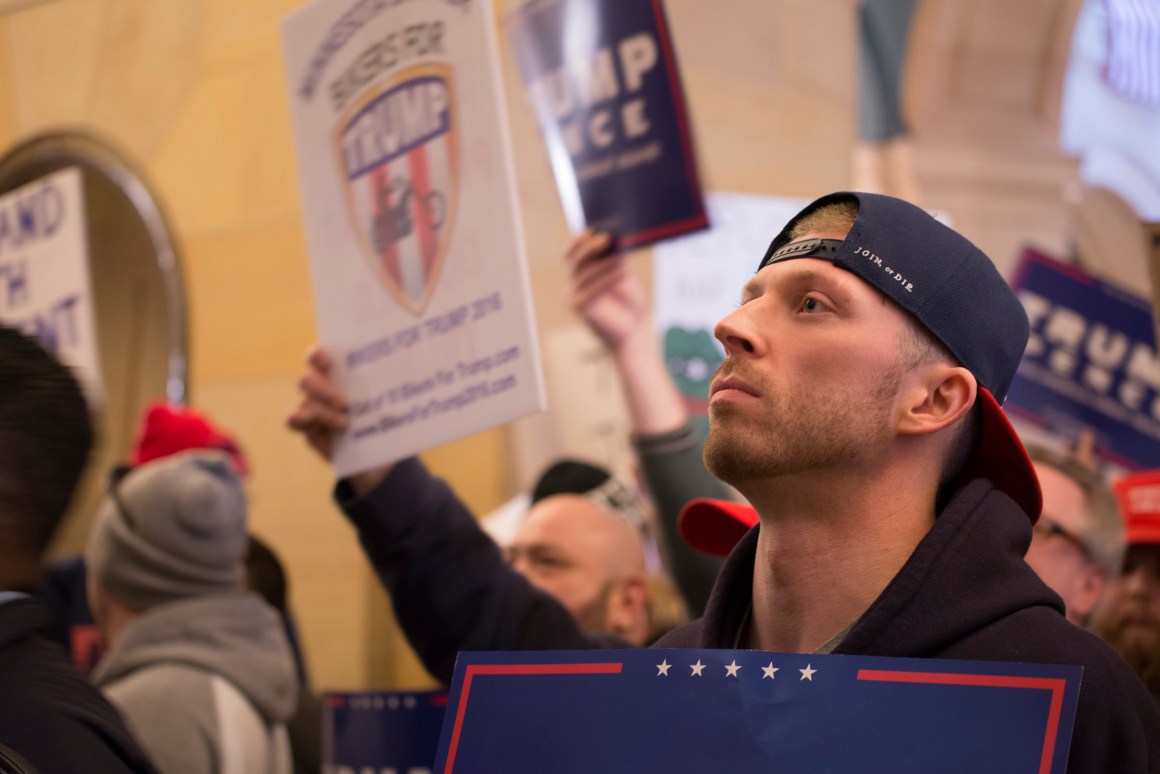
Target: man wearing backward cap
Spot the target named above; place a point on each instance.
(201, 669)
(857, 409)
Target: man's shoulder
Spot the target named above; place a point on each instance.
(689, 635)
(52, 715)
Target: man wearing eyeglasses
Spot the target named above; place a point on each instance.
(1129, 616)
(1077, 545)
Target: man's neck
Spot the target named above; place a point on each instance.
(826, 550)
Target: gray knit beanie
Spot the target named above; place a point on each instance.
(171, 529)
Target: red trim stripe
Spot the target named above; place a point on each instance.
(425, 228)
(389, 257)
(661, 232)
(682, 113)
(516, 669)
(1055, 685)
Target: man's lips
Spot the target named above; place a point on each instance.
(730, 387)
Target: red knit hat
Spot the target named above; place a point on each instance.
(167, 430)
(1139, 496)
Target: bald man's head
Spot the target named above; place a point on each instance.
(590, 559)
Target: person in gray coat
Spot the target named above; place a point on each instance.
(200, 669)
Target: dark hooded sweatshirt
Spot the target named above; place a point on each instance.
(966, 593)
(51, 718)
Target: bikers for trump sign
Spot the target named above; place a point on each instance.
(738, 710)
(1090, 362)
(419, 270)
(602, 77)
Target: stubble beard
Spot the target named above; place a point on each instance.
(1144, 660)
(593, 617)
(798, 433)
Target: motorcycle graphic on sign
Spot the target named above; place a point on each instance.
(398, 154)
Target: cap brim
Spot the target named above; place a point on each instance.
(1143, 534)
(715, 526)
(1001, 457)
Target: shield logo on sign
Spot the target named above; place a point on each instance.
(397, 151)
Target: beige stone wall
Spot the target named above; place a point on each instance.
(192, 91)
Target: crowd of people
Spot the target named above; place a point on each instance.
(890, 510)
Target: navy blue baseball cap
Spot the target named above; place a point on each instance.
(954, 291)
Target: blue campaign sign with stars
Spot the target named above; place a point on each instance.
(748, 711)
(381, 731)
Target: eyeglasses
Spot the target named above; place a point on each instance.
(1046, 528)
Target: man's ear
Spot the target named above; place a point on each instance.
(627, 613)
(935, 396)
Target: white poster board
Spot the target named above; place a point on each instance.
(416, 249)
(697, 279)
(44, 272)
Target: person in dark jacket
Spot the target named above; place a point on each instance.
(858, 410)
(51, 719)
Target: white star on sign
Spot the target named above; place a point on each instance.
(731, 669)
(769, 670)
(663, 668)
(697, 668)
(807, 673)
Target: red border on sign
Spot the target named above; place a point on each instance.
(516, 669)
(1055, 685)
(701, 219)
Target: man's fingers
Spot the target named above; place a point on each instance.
(312, 417)
(318, 387)
(318, 358)
(588, 246)
(596, 286)
(598, 275)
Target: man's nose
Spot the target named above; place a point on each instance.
(733, 333)
(1143, 582)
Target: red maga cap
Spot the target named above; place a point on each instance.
(1139, 496)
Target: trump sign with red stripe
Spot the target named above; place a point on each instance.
(738, 710)
(416, 253)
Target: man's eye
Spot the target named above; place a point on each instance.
(550, 562)
(811, 304)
